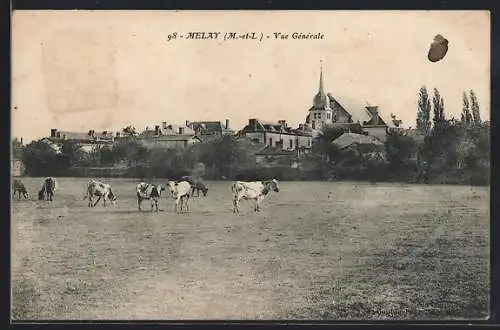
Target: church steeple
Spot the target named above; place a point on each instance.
(321, 99)
(321, 86)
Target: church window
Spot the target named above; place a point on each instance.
(319, 116)
(327, 115)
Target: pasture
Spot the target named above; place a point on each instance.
(317, 250)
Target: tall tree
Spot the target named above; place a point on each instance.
(438, 109)
(474, 107)
(40, 159)
(466, 115)
(424, 110)
(71, 153)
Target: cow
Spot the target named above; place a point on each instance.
(101, 190)
(149, 191)
(197, 184)
(180, 192)
(18, 186)
(256, 190)
(49, 186)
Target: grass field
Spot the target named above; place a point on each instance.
(317, 250)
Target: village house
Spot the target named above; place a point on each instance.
(207, 130)
(328, 110)
(278, 135)
(87, 140)
(360, 143)
(168, 136)
(275, 156)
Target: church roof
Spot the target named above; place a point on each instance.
(357, 111)
(361, 112)
(209, 126)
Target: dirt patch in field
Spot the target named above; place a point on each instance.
(336, 250)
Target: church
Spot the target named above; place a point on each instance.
(328, 110)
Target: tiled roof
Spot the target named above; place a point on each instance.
(207, 125)
(348, 139)
(171, 129)
(74, 135)
(82, 136)
(176, 137)
(265, 126)
(174, 129)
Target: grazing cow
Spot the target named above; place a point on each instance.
(149, 191)
(49, 186)
(180, 192)
(256, 190)
(101, 190)
(197, 184)
(18, 186)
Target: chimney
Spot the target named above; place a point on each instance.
(53, 132)
(301, 127)
(157, 130)
(104, 133)
(21, 141)
(181, 130)
(252, 123)
(227, 123)
(187, 123)
(282, 123)
(117, 134)
(374, 112)
(89, 133)
(164, 124)
(58, 134)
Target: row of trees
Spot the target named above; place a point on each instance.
(441, 150)
(470, 110)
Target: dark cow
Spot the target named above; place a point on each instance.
(197, 184)
(18, 186)
(49, 186)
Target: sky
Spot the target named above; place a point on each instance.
(104, 70)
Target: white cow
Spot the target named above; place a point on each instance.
(149, 191)
(101, 190)
(181, 192)
(256, 190)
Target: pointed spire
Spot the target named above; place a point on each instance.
(321, 87)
